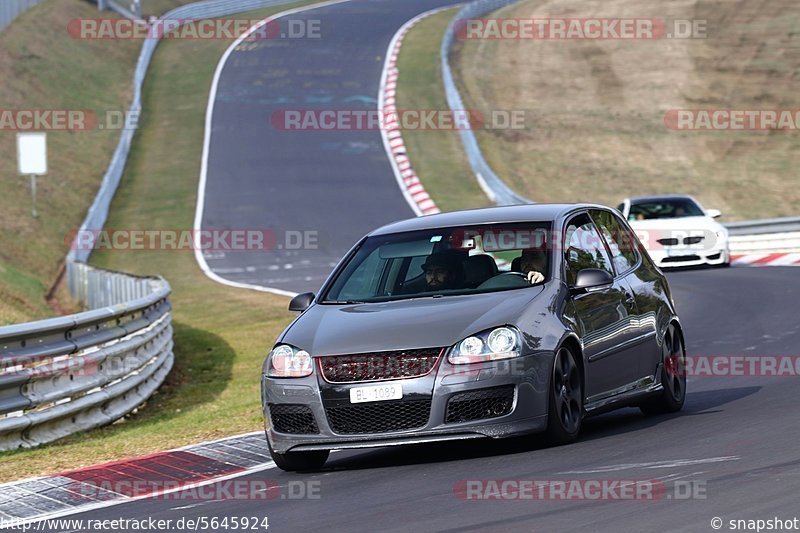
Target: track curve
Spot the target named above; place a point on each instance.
(332, 186)
(736, 437)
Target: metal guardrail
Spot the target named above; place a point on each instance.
(496, 189)
(760, 227)
(774, 235)
(11, 9)
(78, 372)
(81, 371)
(767, 243)
(132, 10)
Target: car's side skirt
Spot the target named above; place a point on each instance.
(623, 395)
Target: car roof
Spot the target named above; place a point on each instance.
(659, 197)
(486, 215)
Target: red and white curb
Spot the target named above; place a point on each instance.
(766, 259)
(184, 469)
(414, 192)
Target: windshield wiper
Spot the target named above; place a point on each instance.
(343, 302)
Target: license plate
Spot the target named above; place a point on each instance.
(376, 393)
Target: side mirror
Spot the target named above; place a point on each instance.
(301, 302)
(714, 213)
(591, 278)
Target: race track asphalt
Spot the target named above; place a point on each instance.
(735, 444)
(316, 191)
(734, 447)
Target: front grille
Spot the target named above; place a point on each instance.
(668, 242)
(379, 417)
(479, 404)
(292, 418)
(680, 258)
(378, 366)
(696, 239)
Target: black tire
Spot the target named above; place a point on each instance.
(292, 461)
(673, 376)
(565, 406)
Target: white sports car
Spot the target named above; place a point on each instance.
(677, 231)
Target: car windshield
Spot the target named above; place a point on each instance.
(443, 262)
(665, 208)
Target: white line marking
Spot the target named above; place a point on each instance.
(113, 503)
(384, 92)
(653, 465)
(485, 187)
(201, 186)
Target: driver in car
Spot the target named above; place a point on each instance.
(441, 272)
(533, 264)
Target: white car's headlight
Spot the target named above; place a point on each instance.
(490, 345)
(285, 361)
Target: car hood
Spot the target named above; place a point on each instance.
(684, 223)
(331, 329)
(651, 231)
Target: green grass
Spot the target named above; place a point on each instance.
(21, 294)
(42, 67)
(437, 156)
(221, 334)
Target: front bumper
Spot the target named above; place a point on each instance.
(528, 375)
(687, 256)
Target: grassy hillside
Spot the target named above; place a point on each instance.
(595, 109)
(42, 67)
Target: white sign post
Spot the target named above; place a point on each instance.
(32, 159)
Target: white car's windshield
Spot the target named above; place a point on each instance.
(665, 208)
(443, 262)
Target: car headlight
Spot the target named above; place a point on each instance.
(285, 361)
(490, 345)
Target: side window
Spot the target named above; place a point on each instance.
(619, 240)
(584, 248)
